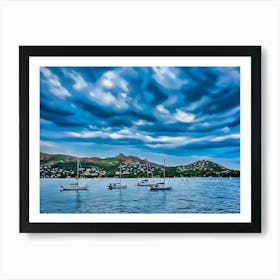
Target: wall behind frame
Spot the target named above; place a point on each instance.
(139, 256)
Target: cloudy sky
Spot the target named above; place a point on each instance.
(182, 114)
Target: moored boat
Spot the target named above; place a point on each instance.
(147, 181)
(77, 186)
(119, 184)
(143, 182)
(162, 186)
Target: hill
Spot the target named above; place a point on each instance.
(207, 168)
(61, 166)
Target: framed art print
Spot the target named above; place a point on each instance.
(140, 138)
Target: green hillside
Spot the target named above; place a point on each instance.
(62, 166)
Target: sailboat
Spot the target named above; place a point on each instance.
(146, 182)
(119, 184)
(77, 186)
(162, 186)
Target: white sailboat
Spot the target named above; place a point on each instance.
(146, 181)
(119, 184)
(77, 186)
(162, 186)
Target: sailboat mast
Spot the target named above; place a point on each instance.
(164, 170)
(78, 163)
(147, 168)
(120, 174)
(77, 173)
(151, 170)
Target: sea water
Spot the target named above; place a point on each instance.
(188, 195)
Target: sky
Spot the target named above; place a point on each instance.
(182, 114)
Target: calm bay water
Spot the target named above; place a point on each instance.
(188, 195)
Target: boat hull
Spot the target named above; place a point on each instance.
(159, 187)
(143, 184)
(74, 188)
(117, 187)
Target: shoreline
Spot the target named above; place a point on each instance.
(141, 178)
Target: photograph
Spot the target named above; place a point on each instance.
(139, 139)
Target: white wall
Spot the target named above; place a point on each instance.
(139, 256)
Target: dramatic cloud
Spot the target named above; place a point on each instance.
(78, 80)
(54, 84)
(178, 112)
(184, 117)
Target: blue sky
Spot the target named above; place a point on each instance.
(182, 114)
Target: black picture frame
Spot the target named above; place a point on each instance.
(254, 52)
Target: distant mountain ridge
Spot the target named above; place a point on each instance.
(47, 158)
(60, 165)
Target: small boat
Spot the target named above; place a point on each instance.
(162, 186)
(119, 184)
(74, 187)
(116, 186)
(77, 186)
(146, 181)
